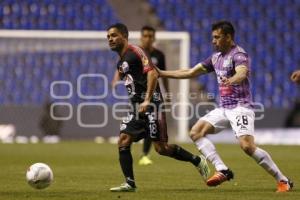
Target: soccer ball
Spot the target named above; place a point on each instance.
(39, 175)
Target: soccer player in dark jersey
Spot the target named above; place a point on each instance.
(231, 64)
(158, 59)
(157, 56)
(295, 77)
(145, 117)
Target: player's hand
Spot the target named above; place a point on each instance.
(295, 77)
(225, 81)
(158, 70)
(143, 106)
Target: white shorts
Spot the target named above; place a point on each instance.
(241, 120)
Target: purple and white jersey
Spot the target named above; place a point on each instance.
(224, 66)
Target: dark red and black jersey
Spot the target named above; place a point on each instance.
(133, 67)
(158, 58)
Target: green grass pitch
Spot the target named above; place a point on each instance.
(85, 170)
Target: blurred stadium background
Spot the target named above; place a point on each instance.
(31, 60)
(269, 30)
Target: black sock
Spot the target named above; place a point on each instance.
(125, 159)
(181, 154)
(147, 145)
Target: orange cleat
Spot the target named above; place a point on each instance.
(284, 186)
(220, 177)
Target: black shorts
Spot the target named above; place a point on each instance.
(150, 124)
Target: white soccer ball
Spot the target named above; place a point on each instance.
(39, 175)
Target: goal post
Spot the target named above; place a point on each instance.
(175, 45)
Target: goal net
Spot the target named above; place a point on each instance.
(75, 68)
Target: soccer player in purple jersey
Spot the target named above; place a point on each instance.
(232, 67)
(145, 119)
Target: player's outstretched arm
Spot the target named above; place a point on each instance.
(184, 73)
(238, 77)
(152, 77)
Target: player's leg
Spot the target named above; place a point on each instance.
(242, 122)
(125, 159)
(130, 131)
(209, 124)
(264, 159)
(147, 146)
(179, 153)
(175, 151)
(157, 128)
(145, 160)
(204, 145)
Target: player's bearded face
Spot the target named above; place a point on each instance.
(219, 40)
(115, 40)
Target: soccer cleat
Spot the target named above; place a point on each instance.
(220, 177)
(124, 187)
(284, 186)
(145, 160)
(203, 168)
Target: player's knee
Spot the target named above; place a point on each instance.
(199, 130)
(248, 148)
(247, 144)
(124, 140)
(196, 134)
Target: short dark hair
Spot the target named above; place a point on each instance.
(122, 28)
(225, 26)
(148, 28)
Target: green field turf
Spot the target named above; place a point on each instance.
(85, 170)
